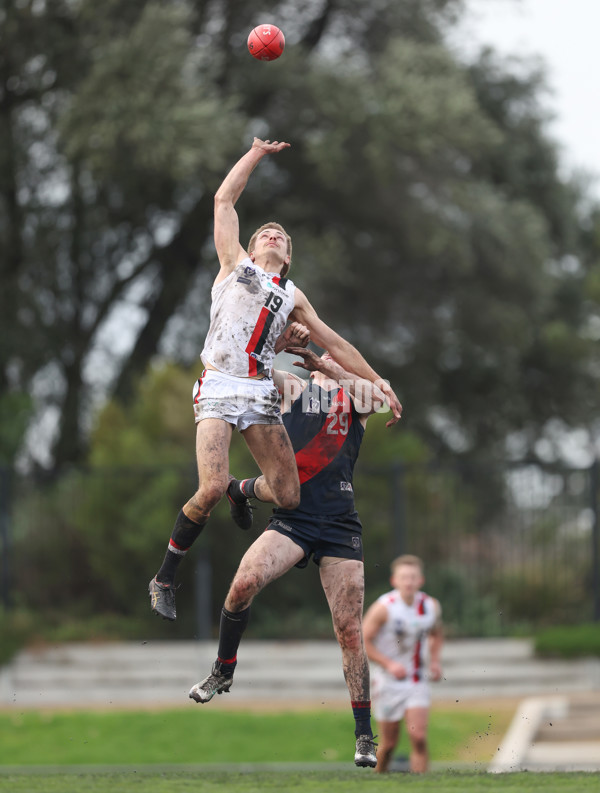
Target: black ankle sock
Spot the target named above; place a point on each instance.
(185, 532)
(231, 630)
(362, 717)
(241, 489)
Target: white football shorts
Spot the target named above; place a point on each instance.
(391, 699)
(241, 401)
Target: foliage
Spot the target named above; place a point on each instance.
(431, 223)
(15, 413)
(568, 641)
(87, 542)
(24, 627)
(16, 629)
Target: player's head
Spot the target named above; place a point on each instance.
(407, 574)
(325, 357)
(256, 237)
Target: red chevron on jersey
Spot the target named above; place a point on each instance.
(323, 448)
(257, 340)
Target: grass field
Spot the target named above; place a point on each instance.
(203, 735)
(229, 751)
(357, 780)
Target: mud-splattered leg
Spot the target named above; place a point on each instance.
(343, 584)
(272, 450)
(213, 437)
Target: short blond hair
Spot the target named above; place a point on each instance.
(408, 559)
(279, 227)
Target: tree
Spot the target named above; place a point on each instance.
(421, 192)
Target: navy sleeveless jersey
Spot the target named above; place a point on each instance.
(326, 433)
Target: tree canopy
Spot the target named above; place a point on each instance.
(432, 224)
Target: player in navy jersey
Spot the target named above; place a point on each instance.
(252, 301)
(325, 420)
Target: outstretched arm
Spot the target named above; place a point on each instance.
(344, 353)
(367, 397)
(227, 227)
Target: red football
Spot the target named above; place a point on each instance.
(266, 42)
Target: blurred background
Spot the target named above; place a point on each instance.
(435, 226)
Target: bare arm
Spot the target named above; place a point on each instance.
(367, 397)
(344, 353)
(373, 622)
(226, 225)
(289, 385)
(435, 642)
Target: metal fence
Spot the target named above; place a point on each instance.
(507, 548)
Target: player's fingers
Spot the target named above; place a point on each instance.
(298, 351)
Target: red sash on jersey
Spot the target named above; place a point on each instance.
(417, 674)
(323, 448)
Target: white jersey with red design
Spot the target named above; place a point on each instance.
(403, 636)
(249, 311)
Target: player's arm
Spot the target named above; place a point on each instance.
(367, 397)
(373, 622)
(289, 385)
(435, 641)
(226, 221)
(344, 353)
(295, 335)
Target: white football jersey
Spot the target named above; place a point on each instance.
(403, 636)
(249, 311)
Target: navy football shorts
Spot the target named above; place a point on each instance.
(321, 535)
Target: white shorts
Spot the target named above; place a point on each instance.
(391, 699)
(241, 401)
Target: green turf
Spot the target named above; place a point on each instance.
(352, 781)
(204, 735)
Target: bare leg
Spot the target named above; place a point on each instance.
(416, 720)
(343, 584)
(389, 733)
(262, 490)
(272, 450)
(268, 558)
(213, 437)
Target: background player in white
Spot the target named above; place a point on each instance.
(251, 301)
(403, 637)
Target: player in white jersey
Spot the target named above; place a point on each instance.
(252, 301)
(403, 639)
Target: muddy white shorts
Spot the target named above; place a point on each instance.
(391, 699)
(241, 401)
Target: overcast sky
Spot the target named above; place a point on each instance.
(564, 33)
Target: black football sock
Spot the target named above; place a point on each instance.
(185, 532)
(231, 630)
(241, 489)
(362, 717)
